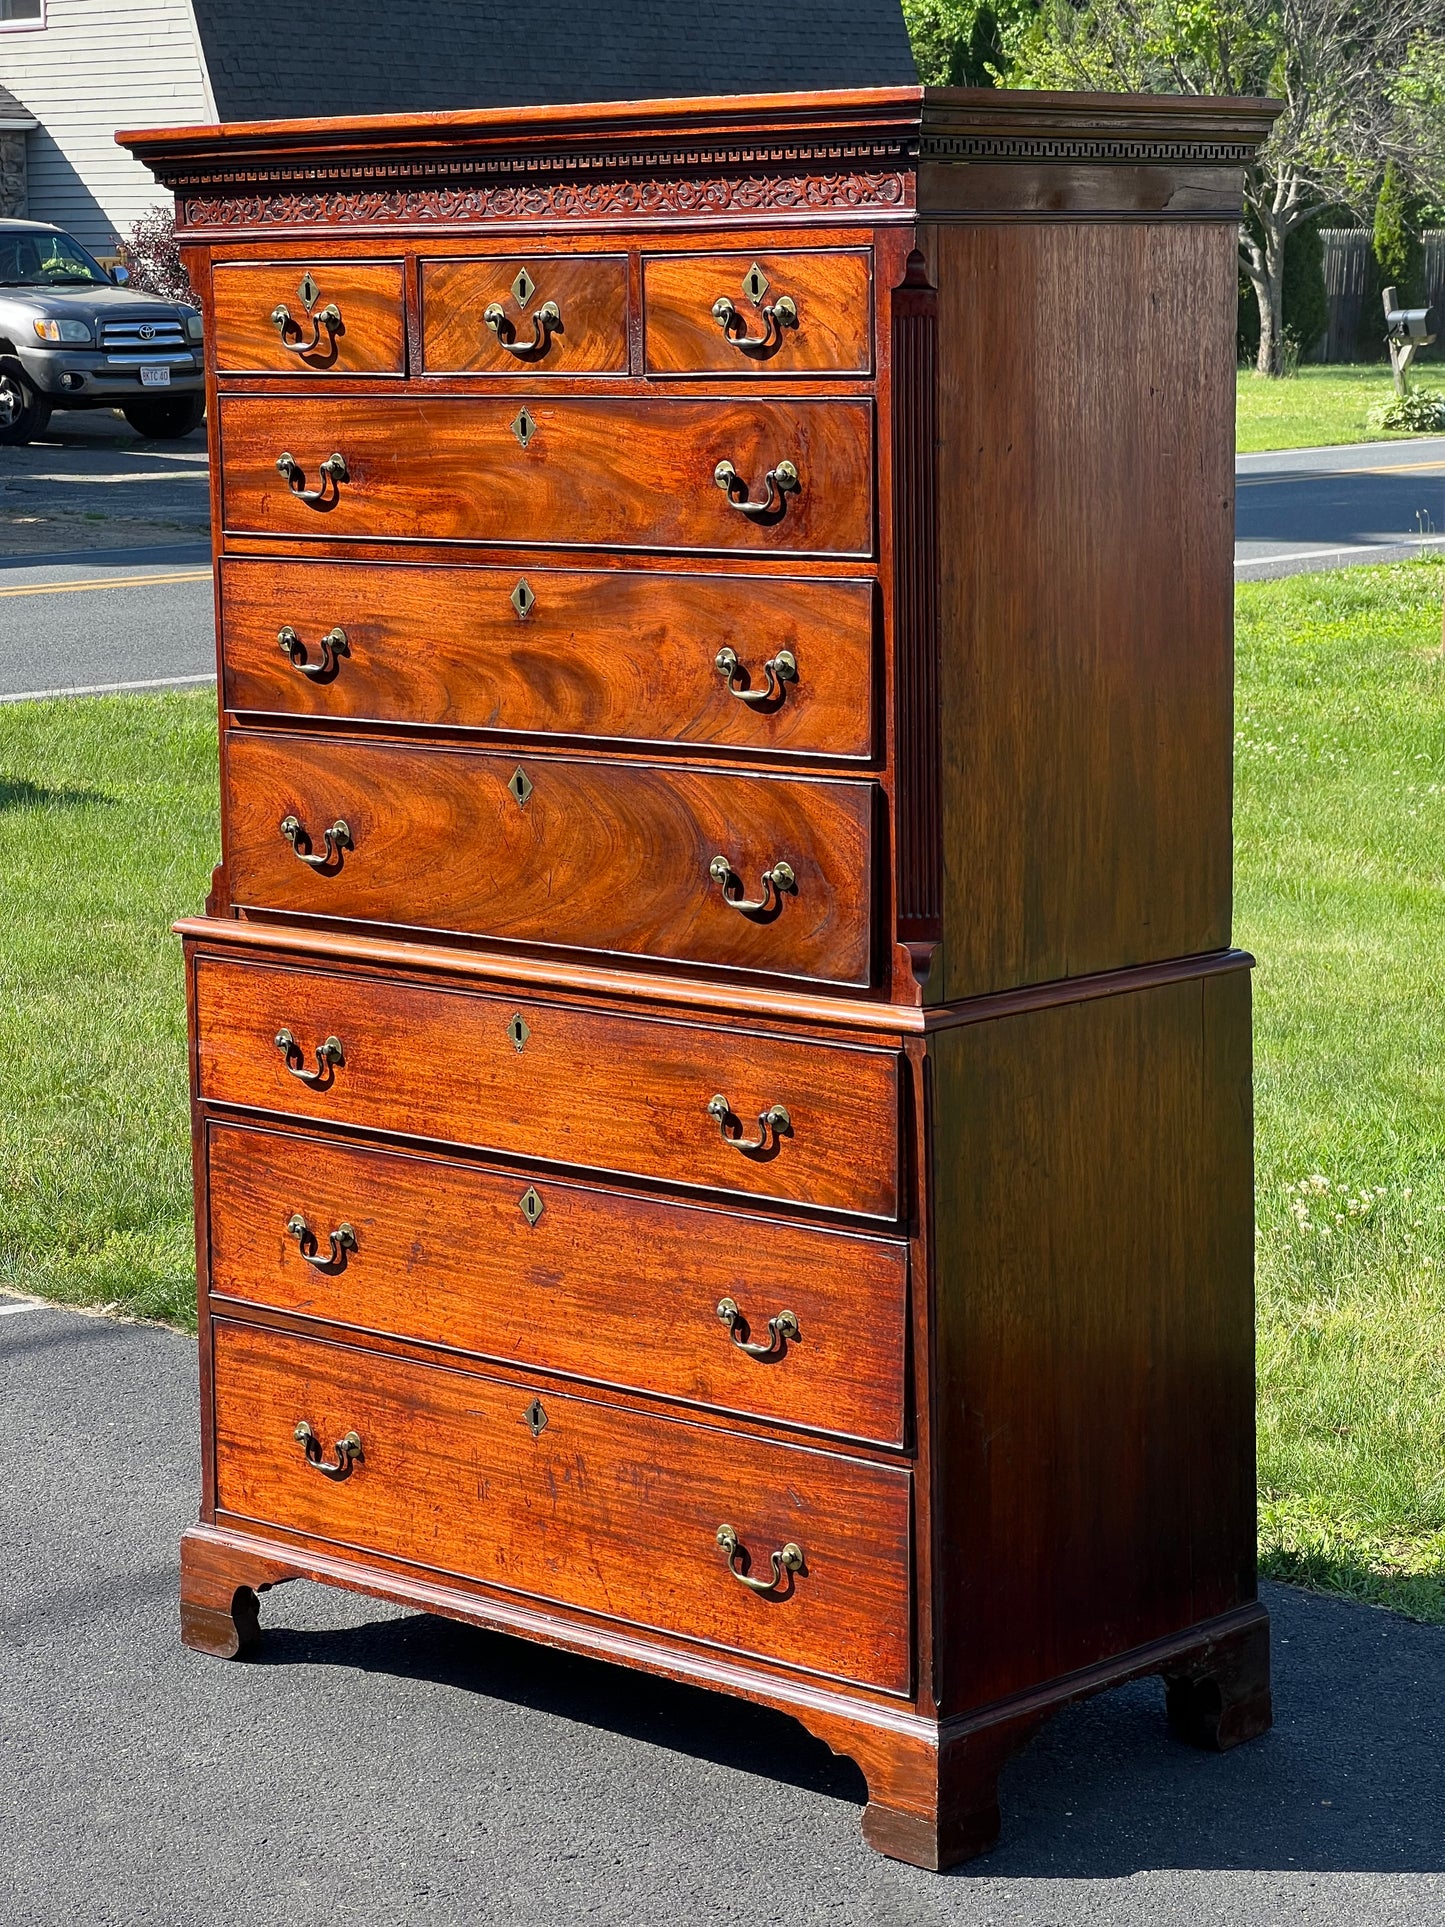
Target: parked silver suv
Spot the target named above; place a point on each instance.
(70, 337)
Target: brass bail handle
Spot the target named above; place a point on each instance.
(775, 1121)
(331, 646)
(333, 473)
(777, 315)
(778, 671)
(335, 840)
(347, 1449)
(328, 318)
(341, 1241)
(545, 321)
(780, 1330)
(780, 482)
(777, 878)
(329, 1055)
(788, 1559)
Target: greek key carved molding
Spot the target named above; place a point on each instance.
(548, 200)
(1044, 147)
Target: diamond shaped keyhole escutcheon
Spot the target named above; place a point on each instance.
(520, 784)
(308, 291)
(536, 1416)
(524, 428)
(523, 288)
(519, 1033)
(755, 284)
(523, 600)
(531, 1205)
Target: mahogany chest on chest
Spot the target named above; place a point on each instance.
(721, 1083)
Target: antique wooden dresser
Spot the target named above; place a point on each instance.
(721, 1082)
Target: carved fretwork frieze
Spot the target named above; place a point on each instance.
(1095, 149)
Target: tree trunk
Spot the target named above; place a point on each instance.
(1269, 294)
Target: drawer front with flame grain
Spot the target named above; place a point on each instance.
(525, 315)
(334, 318)
(759, 314)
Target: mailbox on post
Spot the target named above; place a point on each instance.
(1407, 330)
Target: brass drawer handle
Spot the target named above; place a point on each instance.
(780, 1330)
(328, 318)
(547, 317)
(782, 669)
(780, 482)
(347, 1448)
(337, 839)
(331, 647)
(328, 1056)
(775, 1120)
(343, 1239)
(333, 471)
(789, 1560)
(776, 879)
(777, 315)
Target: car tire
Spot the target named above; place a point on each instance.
(24, 411)
(168, 420)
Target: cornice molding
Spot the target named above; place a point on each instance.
(1092, 149)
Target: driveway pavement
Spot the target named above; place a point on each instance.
(375, 1768)
(1327, 508)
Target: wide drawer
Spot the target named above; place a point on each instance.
(610, 856)
(546, 1081)
(801, 312)
(614, 653)
(340, 317)
(525, 314)
(569, 1500)
(568, 1278)
(607, 473)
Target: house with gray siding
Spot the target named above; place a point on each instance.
(79, 69)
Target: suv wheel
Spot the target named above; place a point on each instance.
(24, 411)
(166, 421)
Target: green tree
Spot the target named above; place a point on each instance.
(964, 43)
(1399, 251)
(1361, 82)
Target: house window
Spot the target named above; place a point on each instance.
(22, 13)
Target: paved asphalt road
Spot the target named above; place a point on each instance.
(380, 1769)
(1320, 508)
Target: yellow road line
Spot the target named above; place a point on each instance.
(1333, 474)
(110, 582)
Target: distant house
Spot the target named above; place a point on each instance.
(72, 71)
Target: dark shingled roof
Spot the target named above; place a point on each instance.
(273, 59)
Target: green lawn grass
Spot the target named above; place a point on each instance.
(108, 830)
(1318, 406)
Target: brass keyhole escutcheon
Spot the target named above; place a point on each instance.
(521, 786)
(517, 1030)
(308, 291)
(524, 427)
(755, 284)
(536, 1417)
(524, 599)
(530, 1204)
(523, 288)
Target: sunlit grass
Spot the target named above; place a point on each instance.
(1317, 407)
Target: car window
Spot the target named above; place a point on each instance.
(46, 261)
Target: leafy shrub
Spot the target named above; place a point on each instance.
(1421, 412)
(154, 258)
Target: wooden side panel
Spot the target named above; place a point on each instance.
(588, 291)
(1093, 1427)
(615, 1512)
(615, 473)
(830, 293)
(1086, 526)
(611, 1093)
(371, 339)
(614, 857)
(612, 653)
(609, 1285)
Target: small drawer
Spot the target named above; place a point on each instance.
(767, 663)
(525, 315)
(749, 872)
(746, 475)
(325, 318)
(759, 314)
(680, 1103)
(566, 1499)
(557, 1276)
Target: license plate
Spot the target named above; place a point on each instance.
(155, 377)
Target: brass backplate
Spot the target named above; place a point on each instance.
(518, 1032)
(531, 1205)
(523, 598)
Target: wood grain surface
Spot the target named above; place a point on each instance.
(1086, 699)
(612, 653)
(830, 289)
(601, 856)
(613, 1511)
(1093, 1420)
(610, 1093)
(370, 341)
(613, 473)
(590, 291)
(608, 1285)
